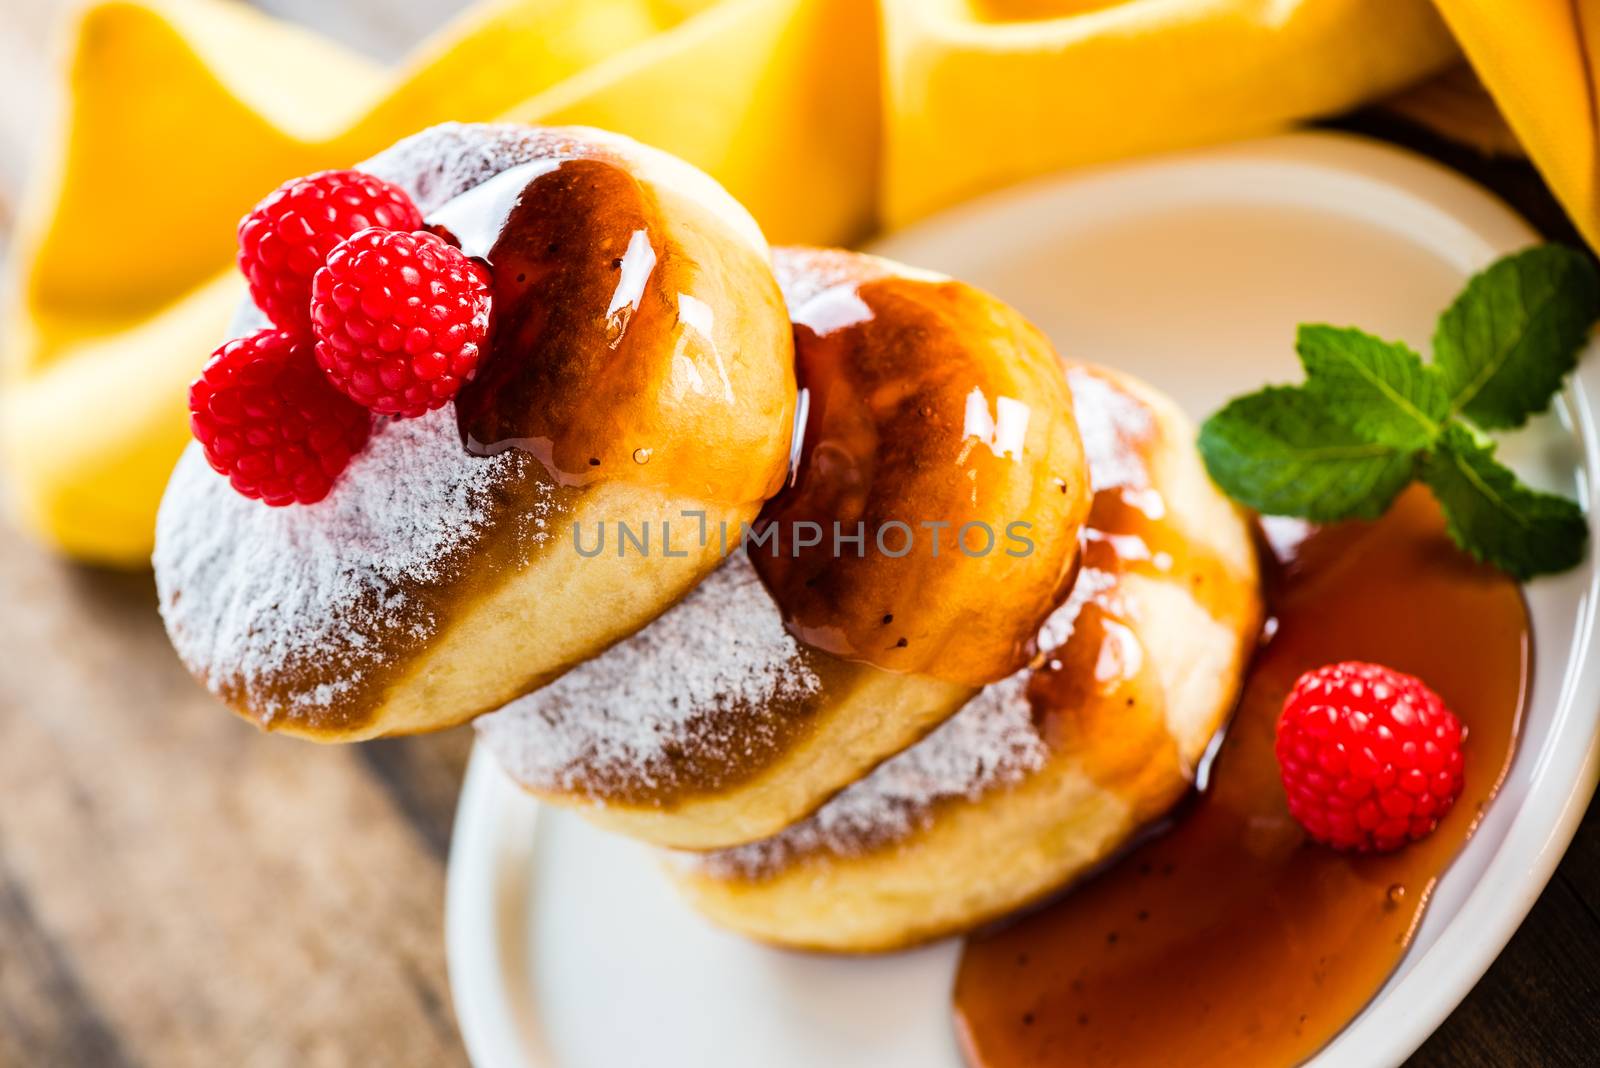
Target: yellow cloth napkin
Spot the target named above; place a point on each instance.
(827, 117)
(1541, 61)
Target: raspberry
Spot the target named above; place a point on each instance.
(400, 319)
(270, 421)
(1370, 758)
(290, 233)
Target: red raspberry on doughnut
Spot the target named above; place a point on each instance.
(269, 420)
(400, 319)
(288, 236)
(1370, 758)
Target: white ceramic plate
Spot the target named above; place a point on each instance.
(567, 951)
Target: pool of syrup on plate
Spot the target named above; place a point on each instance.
(1228, 938)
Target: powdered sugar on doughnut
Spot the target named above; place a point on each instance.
(991, 742)
(698, 689)
(445, 161)
(1111, 422)
(292, 608)
(291, 611)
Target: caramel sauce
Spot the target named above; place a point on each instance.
(1128, 532)
(935, 419)
(1229, 938)
(1099, 697)
(571, 266)
(611, 355)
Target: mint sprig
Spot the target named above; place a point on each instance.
(1380, 389)
(1496, 517)
(1372, 416)
(1280, 452)
(1514, 333)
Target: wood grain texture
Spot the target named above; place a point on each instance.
(177, 889)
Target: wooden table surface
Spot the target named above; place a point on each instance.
(177, 889)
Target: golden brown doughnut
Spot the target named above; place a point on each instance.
(639, 365)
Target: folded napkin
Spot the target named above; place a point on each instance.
(1541, 61)
(828, 118)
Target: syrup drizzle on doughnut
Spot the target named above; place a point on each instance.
(1089, 696)
(595, 277)
(571, 256)
(929, 429)
(1229, 939)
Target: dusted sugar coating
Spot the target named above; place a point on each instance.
(430, 585)
(621, 726)
(994, 740)
(295, 612)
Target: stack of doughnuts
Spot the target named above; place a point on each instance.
(1047, 771)
(792, 671)
(825, 572)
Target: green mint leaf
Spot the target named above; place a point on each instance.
(1280, 452)
(1513, 334)
(1380, 389)
(1496, 518)
(1372, 416)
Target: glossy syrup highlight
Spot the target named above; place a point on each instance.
(917, 431)
(1229, 939)
(633, 339)
(571, 258)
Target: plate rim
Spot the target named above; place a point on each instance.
(492, 842)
